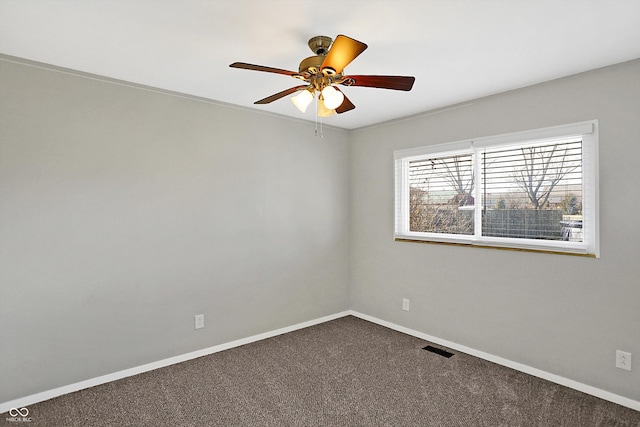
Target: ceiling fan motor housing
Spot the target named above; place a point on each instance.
(311, 64)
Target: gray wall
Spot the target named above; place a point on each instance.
(562, 314)
(125, 212)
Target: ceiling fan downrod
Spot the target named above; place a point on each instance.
(320, 45)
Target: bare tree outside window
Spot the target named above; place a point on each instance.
(458, 172)
(439, 187)
(544, 167)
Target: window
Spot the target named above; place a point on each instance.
(532, 190)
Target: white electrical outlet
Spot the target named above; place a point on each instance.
(405, 304)
(199, 321)
(623, 360)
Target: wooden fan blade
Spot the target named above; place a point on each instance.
(381, 82)
(346, 104)
(342, 52)
(279, 95)
(246, 66)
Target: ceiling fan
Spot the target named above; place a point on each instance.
(323, 71)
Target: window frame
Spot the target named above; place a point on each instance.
(588, 131)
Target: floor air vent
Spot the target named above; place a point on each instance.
(439, 351)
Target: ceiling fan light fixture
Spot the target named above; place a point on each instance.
(333, 98)
(323, 110)
(302, 100)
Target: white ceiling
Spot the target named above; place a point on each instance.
(458, 50)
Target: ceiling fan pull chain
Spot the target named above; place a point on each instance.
(316, 117)
(318, 133)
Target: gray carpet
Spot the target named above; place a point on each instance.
(347, 372)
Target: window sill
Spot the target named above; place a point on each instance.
(504, 248)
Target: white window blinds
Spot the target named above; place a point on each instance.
(533, 192)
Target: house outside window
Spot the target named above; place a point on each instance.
(532, 190)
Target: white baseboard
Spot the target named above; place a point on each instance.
(584, 388)
(49, 394)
